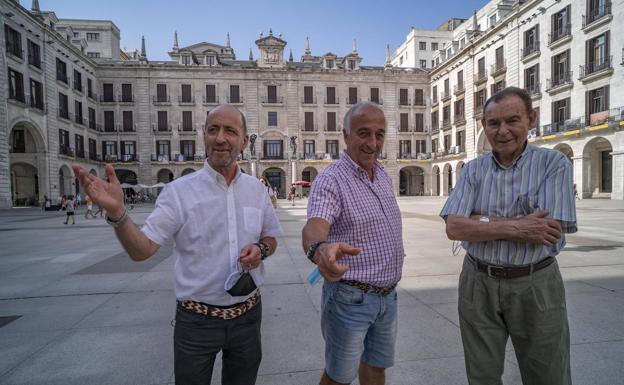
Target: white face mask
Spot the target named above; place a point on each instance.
(234, 277)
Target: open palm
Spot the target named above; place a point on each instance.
(109, 194)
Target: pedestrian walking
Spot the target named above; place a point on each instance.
(69, 210)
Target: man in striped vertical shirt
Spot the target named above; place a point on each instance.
(510, 209)
(354, 235)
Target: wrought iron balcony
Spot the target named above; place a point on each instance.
(559, 80)
(597, 13)
(595, 67)
(530, 50)
(558, 33)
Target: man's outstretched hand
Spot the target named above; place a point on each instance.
(108, 195)
(327, 258)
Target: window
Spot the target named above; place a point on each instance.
(93, 55)
(161, 93)
(187, 120)
(597, 57)
(419, 97)
(61, 71)
(434, 95)
(90, 88)
(34, 54)
(434, 46)
(353, 95)
(434, 145)
(374, 95)
(331, 121)
(403, 99)
(560, 24)
(405, 149)
(419, 122)
(531, 79)
(498, 86)
(446, 116)
(108, 92)
(187, 148)
(330, 95)
(126, 93)
(186, 94)
(19, 141)
(403, 122)
(596, 101)
(481, 68)
(447, 141)
(460, 80)
(128, 151)
(493, 21)
(351, 64)
(92, 149)
(447, 86)
(63, 106)
(77, 81)
(163, 150)
(423, 64)
(331, 148)
(435, 121)
(211, 93)
(210, 60)
(421, 146)
(500, 58)
(93, 36)
(109, 121)
(560, 113)
(561, 69)
(13, 41)
(460, 140)
(16, 86)
(480, 97)
(308, 121)
(272, 118)
(36, 94)
(596, 9)
(308, 149)
(459, 109)
(128, 121)
(186, 60)
(163, 122)
(79, 143)
(64, 142)
(531, 41)
(422, 45)
(78, 112)
(329, 63)
(273, 149)
(235, 94)
(308, 95)
(92, 123)
(272, 94)
(109, 150)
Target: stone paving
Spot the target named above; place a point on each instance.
(75, 310)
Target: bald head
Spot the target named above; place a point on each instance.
(227, 109)
(359, 109)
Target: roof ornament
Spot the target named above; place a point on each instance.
(354, 46)
(250, 54)
(35, 6)
(227, 42)
(290, 57)
(388, 63)
(143, 57)
(307, 46)
(175, 41)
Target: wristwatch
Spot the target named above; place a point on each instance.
(264, 250)
(124, 218)
(312, 250)
(484, 219)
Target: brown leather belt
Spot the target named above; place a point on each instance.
(498, 271)
(368, 288)
(221, 312)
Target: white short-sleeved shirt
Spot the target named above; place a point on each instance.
(210, 222)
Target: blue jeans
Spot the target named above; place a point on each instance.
(357, 327)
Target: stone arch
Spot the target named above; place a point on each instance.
(34, 140)
(187, 171)
(277, 178)
(435, 185)
(24, 184)
(309, 174)
(447, 179)
(566, 150)
(164, 175)
(598, 168)
(66, 180)
(126, 176)
(27, 163)
(483, 145)
(412, 181)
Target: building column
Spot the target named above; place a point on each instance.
(254, 168)
(293, 171)
(617, 182)
(582, 175)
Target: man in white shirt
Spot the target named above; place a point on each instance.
(223, 226)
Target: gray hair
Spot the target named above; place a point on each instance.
(353, 110)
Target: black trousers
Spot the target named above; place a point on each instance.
(197, 339)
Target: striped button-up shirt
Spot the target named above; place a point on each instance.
(539, 179)
(364, 214)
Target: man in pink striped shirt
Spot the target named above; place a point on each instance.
(354, 235)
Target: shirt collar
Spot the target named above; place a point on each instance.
(516, 162)
(217, 177)
(357, 169)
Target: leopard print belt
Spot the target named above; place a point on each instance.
(223, 313)
(368, 288)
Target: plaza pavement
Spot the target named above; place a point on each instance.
(75, 310)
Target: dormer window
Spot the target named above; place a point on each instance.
(210, 60)
(329, 63)
(186, 60)
(351, 64)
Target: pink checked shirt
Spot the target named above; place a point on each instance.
(363, 214)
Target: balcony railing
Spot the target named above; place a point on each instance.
(77, 86)
(530, 49)
(311, 100)
(446, 123)
(94, 157)
(125, 158)
(91, 94)
(66, 150)
(597, 13)
(419, 102)
(126, 98)
(351, 100)
(459, 119)
(38, 104)
(64, 114)
(333, 101)
(61, 77)
(377, 101)
(446, 96)
(404, 102)
(559, 33)
(211, 100)
(459, 89)
(272, 157)
(79, 120)
(160, 157)
(559, 80)
(235, 100)
(186, 101)
(534, 90)
(14, 50)
(157, 127)
(498, 68)
(480, 77)
(275, 100)
(594, 67)
(80, 153)
(309, 127)
(161, 99)
(107, 98)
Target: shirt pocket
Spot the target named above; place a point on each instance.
(253, 220)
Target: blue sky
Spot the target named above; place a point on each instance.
(331, 25)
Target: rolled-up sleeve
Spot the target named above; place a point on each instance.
(461, 201)
(324, 200)
(164, 221)
(557, 195)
